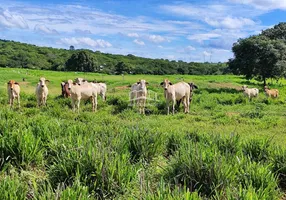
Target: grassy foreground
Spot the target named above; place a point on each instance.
(226, 148)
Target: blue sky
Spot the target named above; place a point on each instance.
(192, 30)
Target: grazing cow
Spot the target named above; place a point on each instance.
(139, 93)
(178, 91)
(250, 92)
(84, 91)
(273, 93)
(42, 91)
(13, 90)
(65, 91)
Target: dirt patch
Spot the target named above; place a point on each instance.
(224, 85)
(23, 83)
(122, 87)
(232, 113)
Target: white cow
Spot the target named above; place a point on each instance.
(84, 91)
(102, 90)
(42, 91)
(13, 90)
(139, 94)
(250, 92)
(178, 91)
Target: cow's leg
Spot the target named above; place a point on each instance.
(168, 108)
(95, 103)
(185, 104)
(78, 104)
(92, 102)
(73, 104)
(18, 100)
(144, 103)
(174, 104)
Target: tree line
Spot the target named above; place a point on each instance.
(261, 56)
(21, 55)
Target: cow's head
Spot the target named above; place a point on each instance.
(63, 84)
(142, 84)
(166, 83)
(42, 81)
(193, 86)
(69, 83)
(80, 81)
(244, 87)
(11, 84)
(266, 88)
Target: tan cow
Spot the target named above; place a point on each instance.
(273, 93)
(176, 92)
(13, 90)
(84, 91)
(42, 91)
(138, 94)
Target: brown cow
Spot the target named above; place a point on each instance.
(13, 90)
(65, 91)
(273, 93)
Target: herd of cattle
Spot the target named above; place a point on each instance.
(80, 89)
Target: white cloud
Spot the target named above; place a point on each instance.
(44, 29)
(135, 35)
(85, 41)
(156, 38)
(230, 22)
(10, 20)
(141, 43)
(203, 36)
(263, 4)
(206, 53)
(190, 48)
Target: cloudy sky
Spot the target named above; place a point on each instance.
(188, 30)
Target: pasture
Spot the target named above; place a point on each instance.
(227, 147)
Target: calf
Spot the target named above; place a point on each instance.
(102, 89)
(13, 90)
(139, 94)
(42, 91)
(178, 91)
(273, 93)
(250, 92)
(85, 92)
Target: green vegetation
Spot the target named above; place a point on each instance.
(261, 56)
(20, 55)
(226, 148)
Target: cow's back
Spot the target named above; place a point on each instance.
(181, 90)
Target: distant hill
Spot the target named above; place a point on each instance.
(21, 55)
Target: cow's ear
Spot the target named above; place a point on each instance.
(161, 83)
(147, 83)
(138, 82)
(170, 83)
(195, 86)
(8, 82)
(16, 83)
(47, 80)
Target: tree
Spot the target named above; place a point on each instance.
(81, 61)
(260, 56)
(71, 48)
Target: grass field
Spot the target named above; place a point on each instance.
(225, 148)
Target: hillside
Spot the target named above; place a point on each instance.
(21, 55)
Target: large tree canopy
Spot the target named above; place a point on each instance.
(262, 56)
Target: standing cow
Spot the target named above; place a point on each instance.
(42, 91)
(138, 94)
(13, 89)
(176, 92)
(83, 92)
